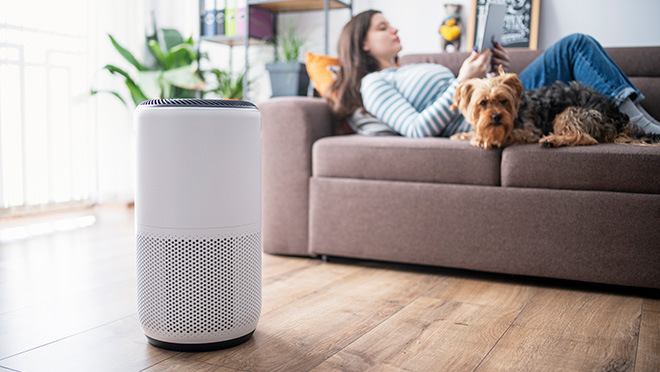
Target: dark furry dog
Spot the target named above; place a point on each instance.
(502, 113)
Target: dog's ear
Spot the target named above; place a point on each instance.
(462, 96)
(500, 70)
(513, 81)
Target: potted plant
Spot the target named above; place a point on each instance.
(288, 77)
(173, 75)
(229, 87)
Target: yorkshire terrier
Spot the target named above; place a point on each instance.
(502, 113)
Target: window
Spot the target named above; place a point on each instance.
(47, 135)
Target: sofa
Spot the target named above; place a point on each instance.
(588, 213)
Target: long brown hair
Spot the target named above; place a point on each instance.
(354, 63)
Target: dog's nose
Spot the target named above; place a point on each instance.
(496, 117)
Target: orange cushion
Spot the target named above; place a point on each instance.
(317, 69)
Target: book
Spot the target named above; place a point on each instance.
(262, 23)
(208, 28)
(230, 18)
(241, 17)
(491, 26)
(219, 17)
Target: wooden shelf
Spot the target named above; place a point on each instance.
(275, 6)
(297, 5)
(234, 40)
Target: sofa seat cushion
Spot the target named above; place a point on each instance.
(437, 160)
(604, 167)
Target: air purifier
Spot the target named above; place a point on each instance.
(198, 222)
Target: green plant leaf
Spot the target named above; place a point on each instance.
(95, 92)
(228, 87)
(181, 55)
(150, 84)
(171, 38)
(136, 92)
(175, 74)
(184, 77)
(127, 55)
(161, 58)
(289, 43)
(235, 90)
(116, 70)
(167, 91)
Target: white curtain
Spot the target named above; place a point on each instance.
(59, 145)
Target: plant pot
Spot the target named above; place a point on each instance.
(288, 78)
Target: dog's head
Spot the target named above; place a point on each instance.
(490, 105)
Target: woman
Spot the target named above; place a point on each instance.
(414, 99)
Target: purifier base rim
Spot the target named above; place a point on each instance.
(200, 347)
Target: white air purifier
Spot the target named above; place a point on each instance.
(198, 222)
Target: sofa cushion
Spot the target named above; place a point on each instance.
(437, 160)
(604, 167)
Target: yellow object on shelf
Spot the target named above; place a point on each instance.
(450, 31)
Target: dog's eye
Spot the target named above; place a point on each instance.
(483, 103)
(504, 101)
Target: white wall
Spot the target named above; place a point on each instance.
(612, 22)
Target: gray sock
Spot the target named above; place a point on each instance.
(639, 116)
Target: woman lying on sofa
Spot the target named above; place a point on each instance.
(414, 99)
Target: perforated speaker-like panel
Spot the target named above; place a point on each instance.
(198, 288)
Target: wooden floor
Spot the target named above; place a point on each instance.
(68, 303)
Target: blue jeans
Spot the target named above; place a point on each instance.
(580, 57)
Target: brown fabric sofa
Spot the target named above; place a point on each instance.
(584, 213)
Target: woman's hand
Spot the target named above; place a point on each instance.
(500, 57)
(475, 66)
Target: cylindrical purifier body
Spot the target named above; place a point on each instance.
(198, 222)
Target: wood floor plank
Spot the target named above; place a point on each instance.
(64, 317)
(454, 329)
(67, 303)
(484, 292)
(42, 269)
(176, 364)
(648, 350)
(304, 333)
(286, 288)
(565, 330)
(274, 266)
(118, 346)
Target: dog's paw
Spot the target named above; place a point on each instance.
(549, 141)
(462, 136)
(484, 144)
(571, 139)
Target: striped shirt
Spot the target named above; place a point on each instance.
(414, 100)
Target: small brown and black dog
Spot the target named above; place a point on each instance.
(502, 113)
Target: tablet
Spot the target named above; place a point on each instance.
(491, 26)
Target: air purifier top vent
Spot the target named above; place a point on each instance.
(194, 102)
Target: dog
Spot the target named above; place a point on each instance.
(502, 114)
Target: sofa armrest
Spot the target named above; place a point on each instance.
(290, 126)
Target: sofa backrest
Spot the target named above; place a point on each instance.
(640, 64)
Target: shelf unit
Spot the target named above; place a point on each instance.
(275, 6)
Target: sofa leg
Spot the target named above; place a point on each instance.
(325, 258)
